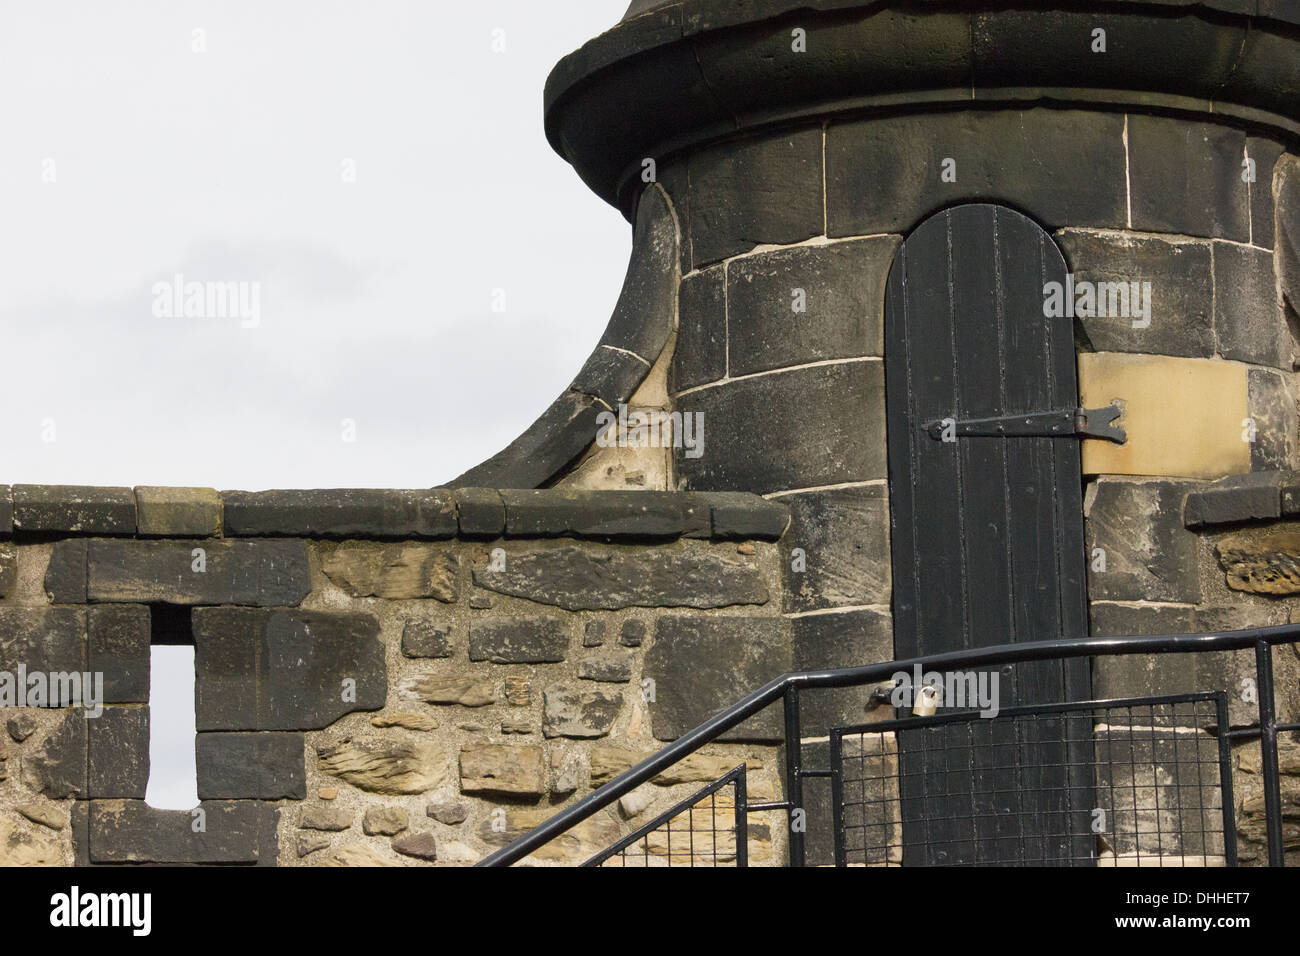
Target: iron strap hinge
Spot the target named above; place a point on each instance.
(1064, 422)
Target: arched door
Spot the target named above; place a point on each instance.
(988, 543)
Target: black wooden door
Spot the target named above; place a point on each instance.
(988, 541)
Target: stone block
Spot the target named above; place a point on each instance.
(510, 769)
(118, 648)
(480, 512)
(1138, 548)
(1181, 298)
(234, 831)
(178, 512)
(8, 569)
(42, 639)
(56, 767)
(1185, 178)
(6, 510)
(842, 639)
(325, 819)
(466, 690)
(419, 846)
(1273, 415)
(700, 666)
(842, 539)
(1265, 153)
(790, 430)
(118, 751)
(593, 634)
(65, 578)
(1286, 189)
(394, 571)
(632, 633)
(608, 670)
(763, 191)
(1185, 418)
(612, 577)
(74, 509)
(387, 766)
(1247, 318)
(285, 670)
(580, 712)
(701, 353)
(341, 513)
(1237, 498)
(744, 517)
(519, 641)
(384, 821)
(572, 848)
(1262, 562)
(884, 176)
(239, 766)
(424, 639)
(807, 304)
(596, 514)
(258, 573)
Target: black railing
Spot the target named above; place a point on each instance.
(789, 687)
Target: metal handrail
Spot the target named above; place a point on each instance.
(788, 686)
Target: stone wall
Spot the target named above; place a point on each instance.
(382, 677)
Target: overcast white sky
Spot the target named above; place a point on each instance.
(127, 157)
(228, 165)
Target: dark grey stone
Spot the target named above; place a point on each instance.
(764, 191)
(480, 602)
(700, 666)
(285, 670)
(426, 639)
(522, 641)
(700, 356)
(597, 514)
(608, 578)
(841, 639)
(1182, 291)
(74, 509)
(65, 578)
(57, 767)
(119, 649)
(257, 573)
(21, 727)
(481, 512)
(609, 670)
(1287, 238)
(1253, 497)
(420, 846)
(1149, 555)
(6, 510)
(789, 430)
(744, 517)
(1186, 178)
(843, 534)
(1273, 411)
(118, 750)
(8, 570)
(251, 766)
(883, 175)
(1265, 153)
(632, 634)
(580, 712)
(643, 315)
(48, 640)
(841, 289)
(1247, 318)
(593, 634)
(233, 831)
(343, 513)
(610, 375)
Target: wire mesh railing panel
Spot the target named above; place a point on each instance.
(1111, 783)
(707, 830)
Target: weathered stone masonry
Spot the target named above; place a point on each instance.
(497, 646)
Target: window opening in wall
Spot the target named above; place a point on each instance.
(173, 777)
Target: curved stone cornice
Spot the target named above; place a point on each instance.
(678, 75)
(636, 335)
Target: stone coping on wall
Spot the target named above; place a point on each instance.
(433, 514)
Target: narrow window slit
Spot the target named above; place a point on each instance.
(173, 776)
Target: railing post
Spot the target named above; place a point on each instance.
(1268, 751)
(797, 820)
